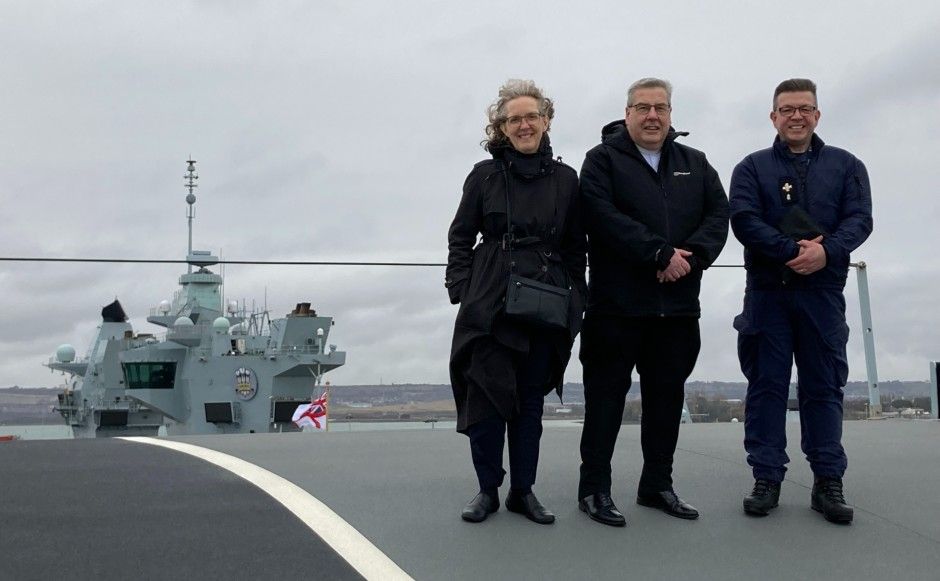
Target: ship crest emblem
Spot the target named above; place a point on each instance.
(246, 383)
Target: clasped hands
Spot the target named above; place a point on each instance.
(812, 257)
(677, 268)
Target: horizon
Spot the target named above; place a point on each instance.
(881, 384)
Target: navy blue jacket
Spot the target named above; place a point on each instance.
(635, 217)
(834, 193)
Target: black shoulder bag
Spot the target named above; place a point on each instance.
(527, 299)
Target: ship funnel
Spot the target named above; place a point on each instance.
(114, 313)
(303, 310)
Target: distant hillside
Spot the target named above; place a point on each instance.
(33, 405)
(574, 392)
(28, 405)
(889, 389)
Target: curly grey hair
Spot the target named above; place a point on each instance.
(496, 112)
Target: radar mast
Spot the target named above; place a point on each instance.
(190, 178)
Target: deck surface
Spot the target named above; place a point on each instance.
(106, 508)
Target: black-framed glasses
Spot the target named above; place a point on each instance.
(805, 110)
(645, 108)
(530, 118)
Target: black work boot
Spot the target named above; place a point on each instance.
(828, 499)
(763, 498)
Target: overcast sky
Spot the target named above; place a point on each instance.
(344, 131)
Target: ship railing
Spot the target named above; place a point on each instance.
(295, 350)
(53, 361)
(82, 359)
(187, 332)
(176, 306)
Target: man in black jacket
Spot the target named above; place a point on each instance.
(799, 208)
(656, 216)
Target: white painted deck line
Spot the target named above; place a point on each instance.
(349, 543)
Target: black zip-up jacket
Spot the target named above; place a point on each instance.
(833, 190)
(549, 246)
(636, 217)
(545, 210)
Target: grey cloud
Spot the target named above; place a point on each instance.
(344, 131)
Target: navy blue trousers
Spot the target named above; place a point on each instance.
(776, 328)
(524, 428)
(664, 351)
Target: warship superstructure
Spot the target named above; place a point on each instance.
(218, 368)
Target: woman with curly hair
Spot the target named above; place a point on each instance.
(502, 367)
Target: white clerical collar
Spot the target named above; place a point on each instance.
(651, 156)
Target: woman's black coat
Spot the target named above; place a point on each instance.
(550, 248)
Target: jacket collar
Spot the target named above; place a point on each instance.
(815, 144)
(527, 166)
(615, 134)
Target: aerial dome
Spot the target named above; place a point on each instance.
(183, 322)
(164, 307)
(65, 353)
(221, 325)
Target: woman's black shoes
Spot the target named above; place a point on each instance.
(528, 505)
(486, 503)
(481, 506)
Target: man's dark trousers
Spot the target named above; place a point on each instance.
(775, 327)
(664, 351)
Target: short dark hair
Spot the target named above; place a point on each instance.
(650, 83)
(794, 86)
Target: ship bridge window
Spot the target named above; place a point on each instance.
(150, 375)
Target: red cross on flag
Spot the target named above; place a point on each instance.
(311, 415)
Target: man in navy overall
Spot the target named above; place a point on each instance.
(799, 208)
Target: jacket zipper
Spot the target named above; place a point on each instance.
(662, 188)
(509, 229)
(665, 199)
(803, 197)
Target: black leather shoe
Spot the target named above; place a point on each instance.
(530, 506)
(763, 499)
(481, 506)
(669, 502)
(828, 499)
(600, 507)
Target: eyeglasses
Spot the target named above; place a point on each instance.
(805, 110)
(530, 118)
(645, 108)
